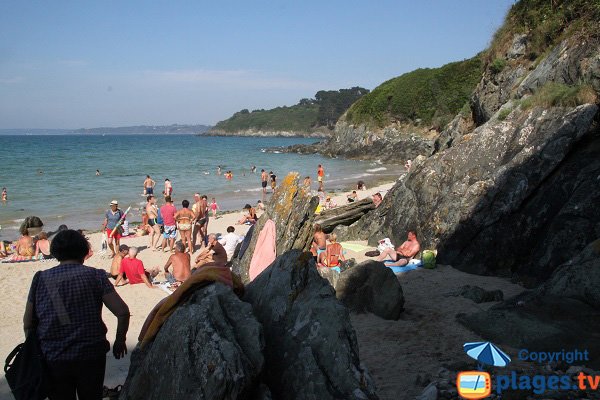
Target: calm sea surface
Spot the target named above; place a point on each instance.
(53, 177)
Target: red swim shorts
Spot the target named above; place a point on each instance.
(117, 235)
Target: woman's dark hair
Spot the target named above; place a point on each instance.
(230, 229)
(185, 204)
(69, 245)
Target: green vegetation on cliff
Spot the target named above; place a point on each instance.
(431, 96)
(322, 111)
(546, 22)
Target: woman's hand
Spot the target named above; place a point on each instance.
(119, 348)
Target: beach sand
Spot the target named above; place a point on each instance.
(395, 352)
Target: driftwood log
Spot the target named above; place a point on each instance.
(344, 215)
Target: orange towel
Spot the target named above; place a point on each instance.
(264, 251)
(204, 276)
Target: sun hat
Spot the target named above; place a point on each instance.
(114, 203)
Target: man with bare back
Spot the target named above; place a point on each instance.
(149, 185)
(180, 261)
(404, 253)
(199, 220)
(319, 243)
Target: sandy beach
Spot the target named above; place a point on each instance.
(429, 313)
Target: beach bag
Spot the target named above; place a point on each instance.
(25, 369)
(104, 244)
(428, 258)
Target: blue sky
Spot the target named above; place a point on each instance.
(73, 64)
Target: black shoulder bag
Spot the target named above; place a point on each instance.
(25, 368)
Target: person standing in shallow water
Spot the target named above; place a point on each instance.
(73, 342)
(263, 180)
(4, 194)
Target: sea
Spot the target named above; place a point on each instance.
(54, 176)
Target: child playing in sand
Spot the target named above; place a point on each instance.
(214, 207)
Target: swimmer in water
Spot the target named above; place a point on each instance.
(4, 194)
(97, 172)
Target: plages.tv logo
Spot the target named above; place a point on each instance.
(478, 384)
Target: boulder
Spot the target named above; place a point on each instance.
(209, 348)
(371, 287)
(292, 209)
(311, 349)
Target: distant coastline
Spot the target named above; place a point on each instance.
(263, 133)
(175, 129)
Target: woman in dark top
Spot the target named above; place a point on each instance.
(65, 308)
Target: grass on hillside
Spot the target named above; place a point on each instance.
(546, 22)
(300, 118)
(433, 96)
(554, 94)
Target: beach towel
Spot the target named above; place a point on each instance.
(412, 265)
(202, 277)
(264, 251)
(359, 248)
(19, 259)
(246, 242)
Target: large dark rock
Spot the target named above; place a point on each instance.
(479, 295)
(292, 209)
(371, 287)
(578, 278)
(564, 312)
(311, 349)
(525, 187)
(209, 348)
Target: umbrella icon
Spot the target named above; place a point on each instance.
(487, 353)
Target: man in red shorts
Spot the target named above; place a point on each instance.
(111, 218)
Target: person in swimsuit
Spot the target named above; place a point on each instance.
(42, 247)
(404, 253)
(198, 220)
(334, 253)
(152, 213)
(214, 207)
(319, 244)
(180, 261)
(115, 266)
(250, 217)
(168, 188)
(352, 197)
(253, 169)
(273, 181)
(4, 194)
(149, 185)
(185, 219)
(320, 175)
(25, 247)
(263, 180)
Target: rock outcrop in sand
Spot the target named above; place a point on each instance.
(311, 350)
(210, 348)
(517, 195)
(371, 287)
(290, 337)
(292, 209)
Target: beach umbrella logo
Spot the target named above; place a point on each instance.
(486, 353)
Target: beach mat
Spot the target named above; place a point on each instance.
(412, 265)
(359, 248)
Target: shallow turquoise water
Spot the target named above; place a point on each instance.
(68, 191)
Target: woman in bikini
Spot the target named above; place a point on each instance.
(184, 218)
(334, 253)
(42, 247)
(25, 247)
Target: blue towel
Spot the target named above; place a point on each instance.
(405, 268)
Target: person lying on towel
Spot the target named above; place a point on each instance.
(404, 253)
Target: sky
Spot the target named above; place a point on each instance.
(82, 64)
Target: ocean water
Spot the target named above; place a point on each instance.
(53, 176)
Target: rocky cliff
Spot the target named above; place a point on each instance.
(513, 188)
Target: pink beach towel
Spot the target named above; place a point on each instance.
(264, 251)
